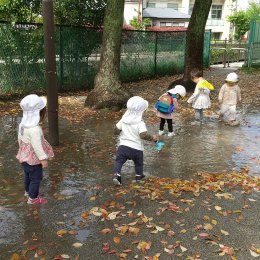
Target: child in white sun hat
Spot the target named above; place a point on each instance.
(200, 99)
(166, 105)
(34, 150)
(229, 96)
(133, 131)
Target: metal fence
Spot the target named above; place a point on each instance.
(226, 51)
(254, 44)
(144, 54)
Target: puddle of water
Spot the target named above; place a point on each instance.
(85, 165)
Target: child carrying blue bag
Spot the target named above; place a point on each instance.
(166, 105)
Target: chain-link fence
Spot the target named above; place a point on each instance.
(144, 54)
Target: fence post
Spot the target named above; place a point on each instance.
(155, 55)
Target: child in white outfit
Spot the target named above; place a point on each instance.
(132, 130)
(34, 150)
(229, 96)
(200, 99)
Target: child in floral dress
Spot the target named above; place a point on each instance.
(34, 150)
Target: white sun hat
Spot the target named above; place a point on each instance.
(232, 77)
(178, 89)
(135, 108)
(31, 106)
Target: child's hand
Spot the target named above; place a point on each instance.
(155, 138)
(44, 163)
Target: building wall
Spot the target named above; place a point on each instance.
(219, 27)
(130, 11)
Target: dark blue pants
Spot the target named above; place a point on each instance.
(125, 153)
(32, 179)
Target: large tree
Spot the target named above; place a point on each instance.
(195, 41)
(108, 92)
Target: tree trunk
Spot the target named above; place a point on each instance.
(194, 42)
(108, 92)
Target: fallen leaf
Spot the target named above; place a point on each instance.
(112, 252)
(117, 240)
(203, 234)
(218, 208)
(61, 232)
(183, 249)
(106, 231)
(77, 245)
(254, 254)
(224, 232)
(15, 256)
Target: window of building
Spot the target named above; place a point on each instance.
(172, 5)
(216, 11)
(162, 24)
(216, 35)
(151, 4)
(171, 24)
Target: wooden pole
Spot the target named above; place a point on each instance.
(51, 74)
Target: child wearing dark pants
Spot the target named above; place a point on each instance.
(34, 150)
(32, 179)
(174, 93)
(169, 123)
(132, 130)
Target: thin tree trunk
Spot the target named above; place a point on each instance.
(195, 42)
(107, 90)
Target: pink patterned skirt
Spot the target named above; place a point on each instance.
(26, 152)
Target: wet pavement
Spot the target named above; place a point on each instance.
(79, 178)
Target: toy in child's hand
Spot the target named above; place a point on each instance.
(159, 145)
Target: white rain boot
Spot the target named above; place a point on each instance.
(170, 134)
(160, 132)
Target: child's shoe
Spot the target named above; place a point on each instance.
(139, 177)
(170, 134)
(117, 180)
(26, 194)
(160, 132)
(37, 201)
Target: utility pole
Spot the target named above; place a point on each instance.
(51, 74)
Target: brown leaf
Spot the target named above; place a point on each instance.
(117, 240)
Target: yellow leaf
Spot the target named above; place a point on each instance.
(61, 232)
(214, 222)
(122, 229)
(206, 218)
(208, 226)
(218, 208)
(133, 230)
(92, 198)
(15, 256)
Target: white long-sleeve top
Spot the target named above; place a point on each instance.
(229, 95)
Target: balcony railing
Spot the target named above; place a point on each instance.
(215, 22)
